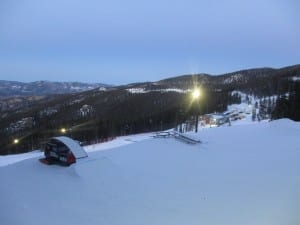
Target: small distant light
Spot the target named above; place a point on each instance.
(16, 141)
(63, 130)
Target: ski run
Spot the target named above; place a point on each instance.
(243, 174)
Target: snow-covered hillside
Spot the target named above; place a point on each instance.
(238, 175)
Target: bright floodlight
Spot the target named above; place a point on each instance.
(63, 130)
(16, 141)
(196, 93)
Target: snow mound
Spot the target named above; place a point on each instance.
(238, 175)
(285, 123)
(11, 159)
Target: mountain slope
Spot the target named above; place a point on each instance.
(246, 174)
(242, 80)
(41, 88)
(98, 114)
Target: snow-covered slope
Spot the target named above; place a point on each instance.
(239, 175)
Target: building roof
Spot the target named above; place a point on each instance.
(73, 145)
(216, 116)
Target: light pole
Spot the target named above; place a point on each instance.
(16, 143)
(195, 97)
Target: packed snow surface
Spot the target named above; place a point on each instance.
(238, 175)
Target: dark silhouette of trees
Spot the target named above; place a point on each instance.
(121, 112)
(288, 106)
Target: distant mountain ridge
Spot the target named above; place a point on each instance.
(103, 112)
(42, 88)
(237, 79)
(249, 80)
(237, 76)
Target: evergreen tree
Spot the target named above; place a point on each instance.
(282, 108)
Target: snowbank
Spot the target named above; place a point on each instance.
(11, 159)
(238, 175)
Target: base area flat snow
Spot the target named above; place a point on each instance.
(243, 175)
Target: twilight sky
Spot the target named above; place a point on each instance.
(124, 41)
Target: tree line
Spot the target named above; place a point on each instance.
(114, 113)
